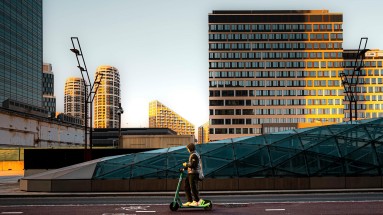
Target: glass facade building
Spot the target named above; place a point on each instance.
(107, 98)
(271, 71)
(21, 51)
(161, 116)
(48, 89)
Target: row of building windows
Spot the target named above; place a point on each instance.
(283, 102)
(252, 121)
(271, 129)
(320, 92)
(298, 83)
(280, 74)
(290, 111)
(275, 64)
(276, 37)
(367, 115)
(235, 131)
(281, 83)
(277, 55)
(275, 102)
(275, 27)
(275, 46)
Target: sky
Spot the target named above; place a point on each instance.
(160, 47)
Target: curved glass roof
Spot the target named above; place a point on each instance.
(334, 150)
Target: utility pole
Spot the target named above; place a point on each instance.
(90, 92)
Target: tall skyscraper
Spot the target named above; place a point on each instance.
(107, 98)
(161, 116)
(48, 89)
(370, 90)
(21, 51)
(74, 97)
(271, 71)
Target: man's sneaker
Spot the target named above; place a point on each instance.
(194, 203)
(186, 204)
(201, 202)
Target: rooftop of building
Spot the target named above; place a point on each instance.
(271, 12)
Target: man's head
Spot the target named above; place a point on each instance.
(191, 147)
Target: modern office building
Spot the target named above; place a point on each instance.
(161, 116)
(49, 97)
(107, 98)
(271, 71)
(21, 51)
(74, 98)
(203, 133)
(370, 90)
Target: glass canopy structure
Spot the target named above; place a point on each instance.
(334, 150)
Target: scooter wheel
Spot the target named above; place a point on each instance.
(210, 207)
(174, 206)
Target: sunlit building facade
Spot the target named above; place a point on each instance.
(271, 71)
(203, 133)
(160, 116)
(74, 98)
(21, 52)
(49, 97)
(370, 87)
(107, 98)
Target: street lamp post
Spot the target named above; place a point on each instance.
(90, 92)
(119, 112)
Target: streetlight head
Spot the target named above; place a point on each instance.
(76, 51)
(81, 68)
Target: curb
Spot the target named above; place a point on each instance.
(204, 193)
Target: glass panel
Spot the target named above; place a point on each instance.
(328, 147)
(296, 165)
(292, 143)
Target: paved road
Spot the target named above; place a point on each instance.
(329, 208)
(224, 199)
(336, 203)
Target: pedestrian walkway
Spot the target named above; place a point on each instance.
(9, 182)
(9, 187)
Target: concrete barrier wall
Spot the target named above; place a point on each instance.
(234, 184)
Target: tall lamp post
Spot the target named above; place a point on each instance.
(90, 92)
(119, 112)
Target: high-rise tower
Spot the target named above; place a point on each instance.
(74, 97)
(271, 71)
(48, 89)
(107, 98)
(21, 51)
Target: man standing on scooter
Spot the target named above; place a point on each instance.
(194, 167)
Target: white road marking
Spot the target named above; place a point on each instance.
(145, 211)
(12, 212)
(281, 209)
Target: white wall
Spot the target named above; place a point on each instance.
(18, 130)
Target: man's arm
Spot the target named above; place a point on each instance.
(193, 162)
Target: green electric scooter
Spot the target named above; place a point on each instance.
(177, 203)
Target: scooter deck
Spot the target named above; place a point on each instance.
(199, 206)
